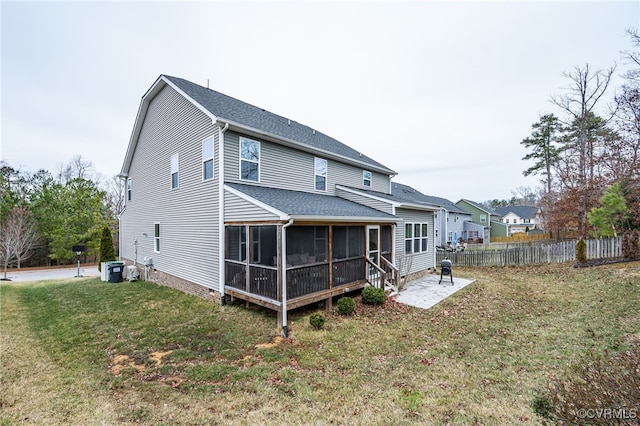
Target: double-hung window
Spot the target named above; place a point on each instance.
(156, 237)
(207, 159)
(416, 237)
(320, 172)
(249, 160)
(366, 178)
(174, 171)
(129, 189)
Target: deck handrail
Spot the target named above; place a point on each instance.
(395, 273)
(379, 282)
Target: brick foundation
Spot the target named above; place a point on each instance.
(168, 280)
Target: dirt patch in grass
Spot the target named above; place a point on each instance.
(475, 358)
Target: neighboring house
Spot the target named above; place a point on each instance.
(449, 220)
(519, 218)
(479, 229)
(225, 199)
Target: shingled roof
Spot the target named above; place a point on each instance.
(410, 194)
(404, 194)
(525, 212)
(229, 109)
(299, 204)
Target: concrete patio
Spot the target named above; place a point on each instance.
(425, 292)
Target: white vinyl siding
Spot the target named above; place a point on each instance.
(188, 216)
(174, 171)
(249, 160)
(237, 209)
(424, 259)
(207, 159)
(378, 204)
(287, 168)
(320, 174)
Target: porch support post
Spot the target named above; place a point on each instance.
(328, 304)
(248, 250)
(281, 272)
(283, 305)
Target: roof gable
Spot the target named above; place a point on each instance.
(477, 206)
(228, 109)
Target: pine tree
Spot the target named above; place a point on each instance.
(107, 252)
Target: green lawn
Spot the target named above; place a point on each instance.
(86, 352)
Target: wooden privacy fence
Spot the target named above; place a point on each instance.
(559, 252)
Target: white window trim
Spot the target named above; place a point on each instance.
(240, 159)
(204, 160)
(128, 191)
(413, 237)
(315, 174)
(365, 179)
(156, 239)
(176, 171)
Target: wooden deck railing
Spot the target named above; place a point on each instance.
(393, 273)
(307, 279)
(376, 276)
(301, 280)
(348, 270)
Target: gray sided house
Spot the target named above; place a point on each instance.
(225, 199)
(479, 229)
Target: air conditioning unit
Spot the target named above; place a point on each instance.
(148, 261)
(131, 273)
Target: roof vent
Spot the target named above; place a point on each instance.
(314, 131)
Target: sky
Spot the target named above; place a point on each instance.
(441, 92)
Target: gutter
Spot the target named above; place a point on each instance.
(221, 271)
(285, 328)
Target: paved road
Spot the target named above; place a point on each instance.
(51, 274)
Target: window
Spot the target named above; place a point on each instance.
(416, 237)
(483, 218)
(320, 165)
(207, 159)
(366, 178)
(174, 171)
(249, 160)
(236, 247)
(129, 189)
(408, 238)
(156, 237)
(450, 236)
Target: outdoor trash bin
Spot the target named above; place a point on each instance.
(115, 272)
(445, 269)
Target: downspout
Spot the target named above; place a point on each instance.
(285, 328)
(221, 235)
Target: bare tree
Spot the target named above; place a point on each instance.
(78, 167)
(633, 56)
(586, 89)
(18, 234)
